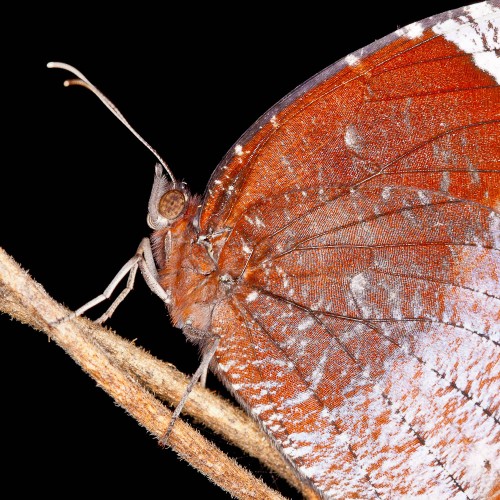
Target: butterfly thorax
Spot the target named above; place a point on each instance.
(187, 271)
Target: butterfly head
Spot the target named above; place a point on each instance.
(168, 201)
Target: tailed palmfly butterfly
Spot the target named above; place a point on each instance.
(341, 274)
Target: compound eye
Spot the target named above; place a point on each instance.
(172, 204)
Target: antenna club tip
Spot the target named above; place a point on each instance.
(59, 65)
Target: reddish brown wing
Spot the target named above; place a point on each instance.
(414, 112)
(357, 220)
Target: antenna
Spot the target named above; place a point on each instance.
(84, 82)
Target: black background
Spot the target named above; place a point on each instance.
(75, 186)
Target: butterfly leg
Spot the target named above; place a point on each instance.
(143, 259)
(200, 374)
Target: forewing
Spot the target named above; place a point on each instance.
(358, 234)
(419, 107)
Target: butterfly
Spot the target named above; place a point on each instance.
(341, 272)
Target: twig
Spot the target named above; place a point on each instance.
(126, 371)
